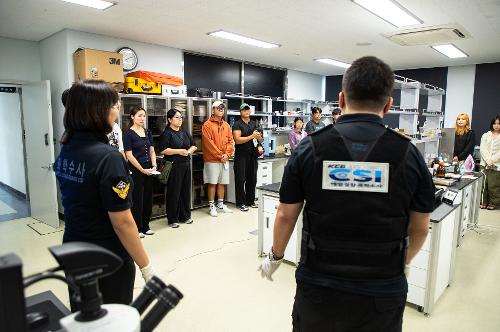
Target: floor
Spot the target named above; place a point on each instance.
(214, 263)
(12, 206)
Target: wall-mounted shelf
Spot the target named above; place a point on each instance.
(431, 90)
(405, 112)
(240, 96)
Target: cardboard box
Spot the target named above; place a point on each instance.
(174, 90)
(100, 65)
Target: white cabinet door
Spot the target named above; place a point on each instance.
(267, 242)
(37, 111)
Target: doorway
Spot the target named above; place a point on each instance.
(27, 181)
(14, 194)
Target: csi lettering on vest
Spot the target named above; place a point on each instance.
(355, 176)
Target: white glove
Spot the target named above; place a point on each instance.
(269, 266)
(147, 272)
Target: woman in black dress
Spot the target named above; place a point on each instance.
(138, 145)
(178, 146)
(465, 139)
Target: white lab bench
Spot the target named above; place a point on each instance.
(431, 271)
(469, 197)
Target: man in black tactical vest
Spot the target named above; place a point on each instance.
(368, 198)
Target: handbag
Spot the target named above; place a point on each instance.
(165, 172)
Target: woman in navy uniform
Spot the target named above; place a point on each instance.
(138, 145)
(96, 186)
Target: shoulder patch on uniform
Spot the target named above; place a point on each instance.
(121, 189)
(400, 134)
(321, 130)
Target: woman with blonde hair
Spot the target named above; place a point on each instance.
(464, 138)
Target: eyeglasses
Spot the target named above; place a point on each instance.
(220, 108)
(179, 117)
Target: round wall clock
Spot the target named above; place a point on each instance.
(129, 58)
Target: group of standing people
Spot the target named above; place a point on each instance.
(299, 132)
(465, 139)
(217, 142)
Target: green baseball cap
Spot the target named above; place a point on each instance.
(244, 106)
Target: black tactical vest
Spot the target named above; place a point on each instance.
(350, 234)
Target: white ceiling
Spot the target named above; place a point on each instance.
(305, 29)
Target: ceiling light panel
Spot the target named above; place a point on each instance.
(390, 11)
(450, 50)
(242, 39)
(334, 62)
(97, 4)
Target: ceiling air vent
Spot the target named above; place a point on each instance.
(439, 34)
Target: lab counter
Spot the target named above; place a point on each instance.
(468, 190)
(431, 271)
(270, 170)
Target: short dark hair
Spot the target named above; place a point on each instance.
(87, 109)
(368, 83)
(493, 121)
(64, 97)
(336, 111)
(316, 110)
(295, 121)
(171, 113)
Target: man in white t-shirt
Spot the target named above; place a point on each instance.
(115, 136)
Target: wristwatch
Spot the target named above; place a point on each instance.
(273, 257)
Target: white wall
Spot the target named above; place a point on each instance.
(161, 59)
(55, 64)
(56, 53)
(459, 93)
(12, 171)
(302, 85)
(19, 60)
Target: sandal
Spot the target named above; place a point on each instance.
(491, 207)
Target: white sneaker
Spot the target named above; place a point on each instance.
(141, 235)
(225, 209)
(149, 232)
(213, 211)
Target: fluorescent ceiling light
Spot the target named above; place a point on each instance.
(97, 4)
(390, 11)
(334, 63)
(242, 39)
(450, 50)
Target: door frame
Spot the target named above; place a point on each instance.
(19, 85)
(25, 153)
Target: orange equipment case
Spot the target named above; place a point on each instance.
(156, 77)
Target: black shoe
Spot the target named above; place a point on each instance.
(243, 208)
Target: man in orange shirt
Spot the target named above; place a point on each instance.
(217, 144)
